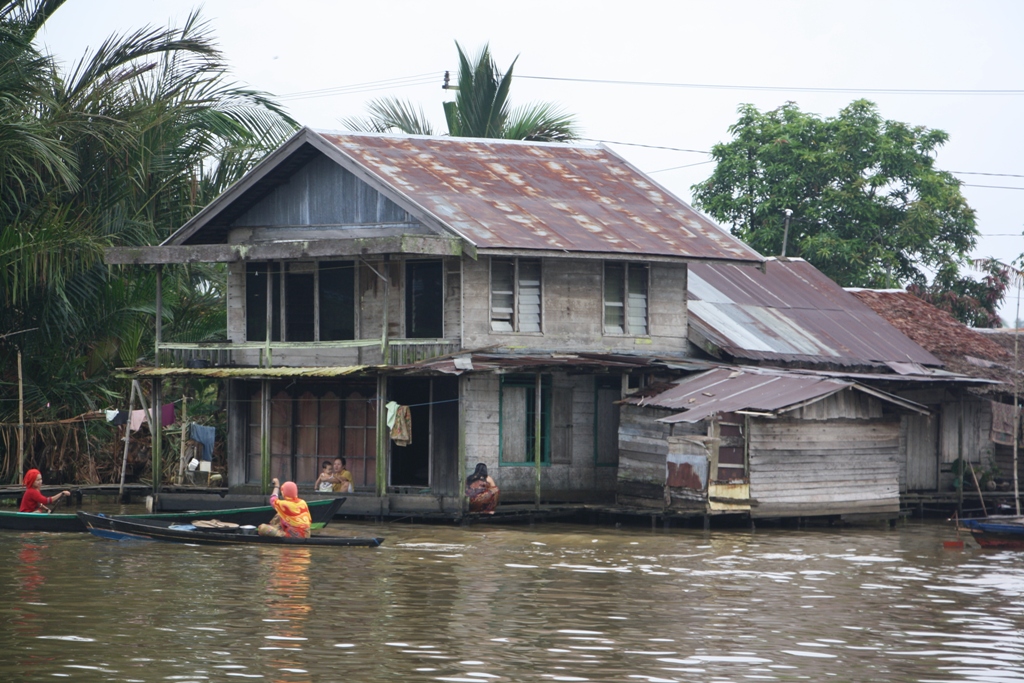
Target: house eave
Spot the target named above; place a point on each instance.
(284, 250)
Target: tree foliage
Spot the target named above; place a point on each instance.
(119, 149)
(870, 209)
(481, 109)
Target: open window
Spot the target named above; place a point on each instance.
(625, 298)
(319, 301)
(516, 295)
(424, 299)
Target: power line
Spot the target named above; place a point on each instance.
(994, 187)
(778, 88)
(676, 168)
(368, 86)
(1004, 175)
(637, 144)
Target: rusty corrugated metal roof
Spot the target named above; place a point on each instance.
(500, 194)
(726, 390)
(793, 313)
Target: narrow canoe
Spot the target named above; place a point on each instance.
(322, 512)
(122, 529)
(1005, 532)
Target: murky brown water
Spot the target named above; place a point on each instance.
(543, 603)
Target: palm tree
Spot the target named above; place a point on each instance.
(481, 109)
(120, 149)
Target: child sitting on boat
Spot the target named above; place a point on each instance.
(292, 519)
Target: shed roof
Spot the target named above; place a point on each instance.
(726, 390)
(790, 313)
(496, 194)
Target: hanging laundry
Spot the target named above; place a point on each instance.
(205, 436)
(391, 407)
(120, 418)
(167, 415)
(111, 414)
(401, 431)
(136, 419)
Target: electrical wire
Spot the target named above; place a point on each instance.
(368, 86)
(778, 88)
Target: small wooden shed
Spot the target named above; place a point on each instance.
(773, 443)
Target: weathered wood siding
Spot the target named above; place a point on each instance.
(323, 193)
(919, 446)
(572, 309)
(572, 474)
(817, 467)
(643, 452)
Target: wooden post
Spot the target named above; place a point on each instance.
(156, 414)
(265, 435)
(270, 324)
(537, 431)
(20, 420)
(382, 437)
(463, 390)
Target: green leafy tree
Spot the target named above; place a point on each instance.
(869, 208)
(481, 109)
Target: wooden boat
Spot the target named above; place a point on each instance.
(1005, 532)
(123, 529)
(322, 512)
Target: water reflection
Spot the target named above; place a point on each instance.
(542, 603)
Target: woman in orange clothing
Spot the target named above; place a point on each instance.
(292, 519)
(34, 499)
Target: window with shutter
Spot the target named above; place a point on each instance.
(625, 298)
(516, 295)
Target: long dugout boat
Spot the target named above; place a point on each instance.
(322, 512)
(123, 529)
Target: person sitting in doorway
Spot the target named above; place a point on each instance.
(342, 481)
(292, 519)
(34, 500)
(482, 491)
(325, 482)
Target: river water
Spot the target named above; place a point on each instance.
(537, 603)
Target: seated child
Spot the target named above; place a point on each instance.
(325, 482)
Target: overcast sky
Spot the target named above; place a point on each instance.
(304, 45)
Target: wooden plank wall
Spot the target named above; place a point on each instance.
(813, 467)
(323, 193)
(643, 447)
(919, 447)
(575, 478)
(573, 309)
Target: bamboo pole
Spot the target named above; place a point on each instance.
(20, 420)
(977, 487)
(127, 437)
(184, 434)
(1016, 399)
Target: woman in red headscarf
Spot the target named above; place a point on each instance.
(34, 498)
(292, 519)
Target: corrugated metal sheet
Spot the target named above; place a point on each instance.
(252, 373)
(540, 196)
(723, 390)
(726, 390)
(791, 312)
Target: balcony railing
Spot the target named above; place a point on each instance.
(219, 353)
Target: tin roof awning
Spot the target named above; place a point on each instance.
(726, 390)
